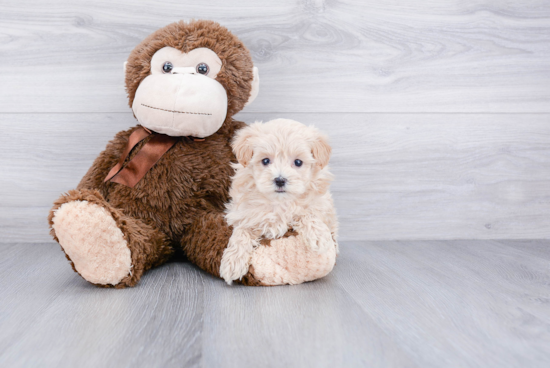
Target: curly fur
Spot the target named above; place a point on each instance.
(260, 208)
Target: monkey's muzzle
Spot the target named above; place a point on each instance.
(181, 104)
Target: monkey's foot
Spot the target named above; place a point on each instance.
(92, 240)
(289, 260)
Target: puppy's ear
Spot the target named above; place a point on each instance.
(242, 145)
(321, 149)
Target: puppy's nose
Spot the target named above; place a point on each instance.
(280, 181)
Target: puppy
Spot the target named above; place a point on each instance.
(281, 182)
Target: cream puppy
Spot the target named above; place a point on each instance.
(281, 182)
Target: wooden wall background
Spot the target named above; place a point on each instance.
(439, 111)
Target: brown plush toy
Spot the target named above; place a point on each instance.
(161, 186)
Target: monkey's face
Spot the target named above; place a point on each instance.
(181, 96)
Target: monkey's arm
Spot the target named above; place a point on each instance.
(288, 260)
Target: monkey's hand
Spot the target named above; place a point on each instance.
(236, 257)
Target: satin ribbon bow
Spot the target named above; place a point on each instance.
(144, 160)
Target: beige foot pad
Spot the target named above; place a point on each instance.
(90, 237)
(290, 261)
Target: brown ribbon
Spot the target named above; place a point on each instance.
(144, 160)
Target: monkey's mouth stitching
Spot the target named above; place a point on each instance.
(179, 112)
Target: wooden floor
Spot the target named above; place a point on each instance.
(476, 303)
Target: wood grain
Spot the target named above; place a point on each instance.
(258, 328)
(398, 176)
(61, 320)
(429, 290)
(386, 304)
(313, 56)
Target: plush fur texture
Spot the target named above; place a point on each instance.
(173, 205)
(290, 260)
(91, 238)
(235, 76)
(212, 230)
(148, 246)
(296, 156)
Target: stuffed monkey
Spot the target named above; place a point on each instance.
(161, 186)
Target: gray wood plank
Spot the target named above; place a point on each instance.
(386, 304)
(314, 56)
(530, 246)
(310, 325)
(22, 271)
(53, 318)
(398, 176)
(423, 292)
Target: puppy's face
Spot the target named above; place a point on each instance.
(281, 168)
(282, 156)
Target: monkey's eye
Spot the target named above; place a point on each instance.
(265, 161)
(203, 68)
(298, 163)
(167, 67)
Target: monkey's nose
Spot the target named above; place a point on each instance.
(183, 70)
(280, 181)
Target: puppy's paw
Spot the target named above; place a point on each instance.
(316, 234)
(236, 259)
(233, 268)
(312, 241)
(324, 241)
(317, 238)
(320, 243)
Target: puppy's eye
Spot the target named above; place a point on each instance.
(167, 67)
(298, 163)
(265, 161)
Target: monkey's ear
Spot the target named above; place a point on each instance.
(242, 145)
(125, 67)
(321, 150)
(255, 86)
